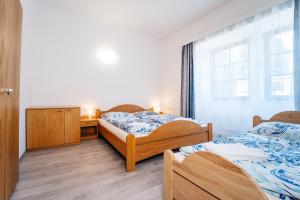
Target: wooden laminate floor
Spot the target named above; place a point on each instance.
(92, 170)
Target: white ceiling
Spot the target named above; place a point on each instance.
(159, 18)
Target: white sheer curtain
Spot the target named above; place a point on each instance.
(244, 70)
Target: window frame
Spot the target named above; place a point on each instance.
(268, 56)
(213, 81)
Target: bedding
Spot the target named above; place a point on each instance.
(119, 116)
(230, 152)
(144, 113)
(130, 123)
(140, 123)
(278, 174)
(119, 133)
(165, 118)
(278, 129)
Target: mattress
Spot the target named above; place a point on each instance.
(119, 133)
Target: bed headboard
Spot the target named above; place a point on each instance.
(123, 108)
(287, 116)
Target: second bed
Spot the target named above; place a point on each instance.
(138, 133)
(263, 163)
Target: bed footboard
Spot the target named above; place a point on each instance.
(204, 175)
(171, 136)
(175, 129)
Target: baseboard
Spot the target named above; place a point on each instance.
(22, 156)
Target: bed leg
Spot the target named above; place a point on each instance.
(168, 175)
(130, 153)
(210, 131)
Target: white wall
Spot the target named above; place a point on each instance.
(224, 16)
(59, 64)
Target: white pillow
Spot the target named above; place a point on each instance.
(144, 113)
(115, 115)
(281, 130)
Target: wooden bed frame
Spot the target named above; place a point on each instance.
(168, 136)
(204, 175)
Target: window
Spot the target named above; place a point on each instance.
(280, 62)
(231, 71)
(246, 69)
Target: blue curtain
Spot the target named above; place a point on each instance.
(297, 54)
(187, 107)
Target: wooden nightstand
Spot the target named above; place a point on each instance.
(89, 129)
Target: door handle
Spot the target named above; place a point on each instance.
(6, 90)
(9, 91)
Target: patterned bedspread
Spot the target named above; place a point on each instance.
(140, 123)
(163, 119)
(279, 174)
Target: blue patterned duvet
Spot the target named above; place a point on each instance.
(140, 123)
(279, 174)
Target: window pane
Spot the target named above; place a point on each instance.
(222, 89)
(239, 53)
(282, 64)
(240, 88)
(282, 42)
(240, 70)
(221, 57)
(282, 85)
(222, 73)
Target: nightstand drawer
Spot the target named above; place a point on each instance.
(88, 123)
